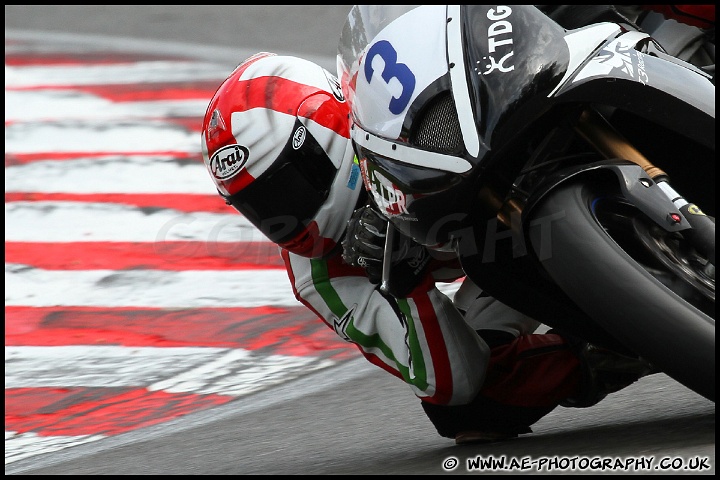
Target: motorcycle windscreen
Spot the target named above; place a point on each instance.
(388, 56)
(363, 24)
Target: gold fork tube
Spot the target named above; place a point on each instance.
(600, 134)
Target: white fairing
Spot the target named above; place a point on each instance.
(619, 55)
(397, 79)
(581, 43)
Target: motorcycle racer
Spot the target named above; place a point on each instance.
(276, 143)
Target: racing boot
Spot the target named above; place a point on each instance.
(604, 372)
(526, 378)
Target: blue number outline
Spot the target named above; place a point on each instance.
(392, 69)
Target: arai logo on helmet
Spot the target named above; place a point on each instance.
(228, 161)
(299, 137)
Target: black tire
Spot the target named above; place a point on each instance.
(621, 293)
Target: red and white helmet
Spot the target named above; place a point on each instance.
(276, 142)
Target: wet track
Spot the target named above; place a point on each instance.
(345, 417)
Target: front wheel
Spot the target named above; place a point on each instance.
(647, 287)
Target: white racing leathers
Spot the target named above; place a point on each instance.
(422, 339)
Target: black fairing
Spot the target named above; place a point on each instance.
(510, 70)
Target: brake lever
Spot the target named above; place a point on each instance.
(387, 258)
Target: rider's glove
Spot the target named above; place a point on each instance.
(364, 246)
(364, 242)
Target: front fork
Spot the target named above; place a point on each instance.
(609, 143)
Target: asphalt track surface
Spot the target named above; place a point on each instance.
(352, 418)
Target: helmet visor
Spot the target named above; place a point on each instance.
(285, 199)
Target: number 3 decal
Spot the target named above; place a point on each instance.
(392, 70)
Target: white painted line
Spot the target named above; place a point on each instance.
(230, 375)
(107, 137)
(231, 56)
(147, 288)
(27, 445)
(55, 105)
(122, 73)
(51, 221)
(117, 174)
(197, 370)
(102, 366)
